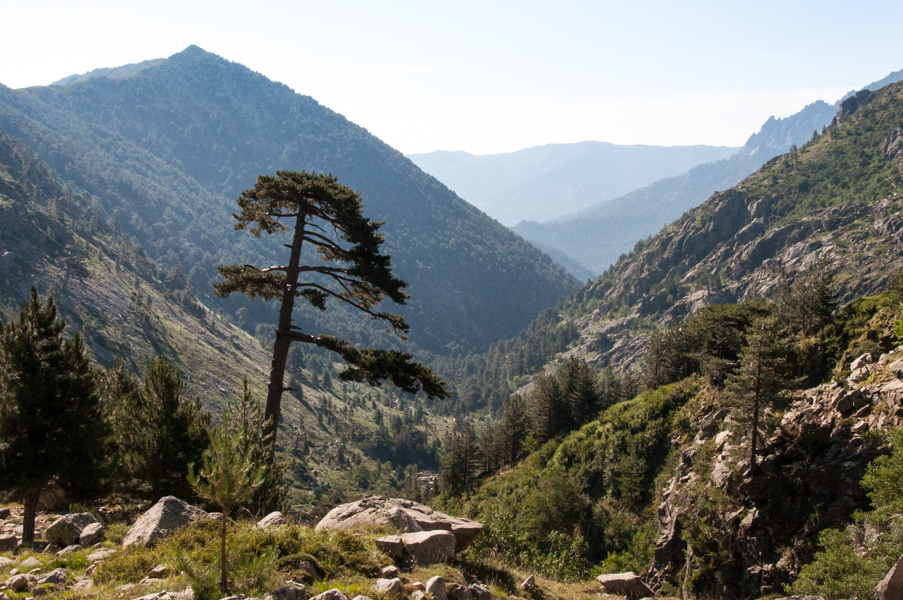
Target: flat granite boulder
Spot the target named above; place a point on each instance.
(419, 548)
(161, 519)
(625, 584)
(403, 515)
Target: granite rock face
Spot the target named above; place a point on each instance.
(404, 515)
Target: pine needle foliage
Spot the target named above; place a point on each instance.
(51, 426)
(319, 211)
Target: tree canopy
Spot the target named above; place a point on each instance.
(319, 211)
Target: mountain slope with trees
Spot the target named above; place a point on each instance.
(167, 147)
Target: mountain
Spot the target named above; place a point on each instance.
(668, 468)
(126, 307)
(546, 182)
(835, 198)
(167, 146)
(597, 235)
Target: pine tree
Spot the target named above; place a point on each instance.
(514, 426)
(760, 383)
(160, 431)
(352, 271)
(228, 477)
(51, 425)
(461, 460)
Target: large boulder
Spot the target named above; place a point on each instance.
(388, 587)
(891, 587)
(625, 584)
(333, 594)
(66, 530)
(403, 515)
(92, 534)
(161, 519)
(420, 548)
(8, 542)
(272, 520)
(55, 577)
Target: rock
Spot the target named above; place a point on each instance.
(66, 530)
(69, 550)
(164, 517)
(480, 592)
(17, 583)
(38, 592)
(8, 542)
(802, 598)
(90, 570)
(159, 572)
(4, 513)
(91, 534)
(55, 577)
(6, 562)
(101, 554)
(436, 587)
(3, 596)
(625, 584)
(404, 515)
(271, 520)
(862, 361)
(333, 594)
(418, 595)
(896, 368)
(891, 587)
(362, 598)
(389, 572)
(421, 548)
(529, 583)
(290, 592)
(456, 591)
(389, 587)
(391, 545)
(29, 563)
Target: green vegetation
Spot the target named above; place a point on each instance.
(358, 276)
(51, 426)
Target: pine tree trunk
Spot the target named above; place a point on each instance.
(31, 507)
(283, 336)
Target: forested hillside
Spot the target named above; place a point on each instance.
(758, 342)
(167, 146)
(833, 199)
(338, 437)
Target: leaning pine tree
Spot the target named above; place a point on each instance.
(317, 210)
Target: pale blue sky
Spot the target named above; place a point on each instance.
(494, 76)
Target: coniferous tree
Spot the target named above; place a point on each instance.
(514, 426)
(51, 426)
(228, 477)
(160, 431)
(328, 216)
(246, 419)
(760, 383)
(460, 464)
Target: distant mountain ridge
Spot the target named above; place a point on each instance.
(597, 236)
(545, 182)
(168, 147)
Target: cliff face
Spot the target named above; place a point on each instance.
(763, 527)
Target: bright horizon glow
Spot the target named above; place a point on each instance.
(493, 77)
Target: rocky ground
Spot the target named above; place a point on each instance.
(423, 560)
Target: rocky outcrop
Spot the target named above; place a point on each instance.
(811, 465)
(891, 587)
(403, 515)
(164, 517)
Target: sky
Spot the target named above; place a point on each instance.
(489, 77)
